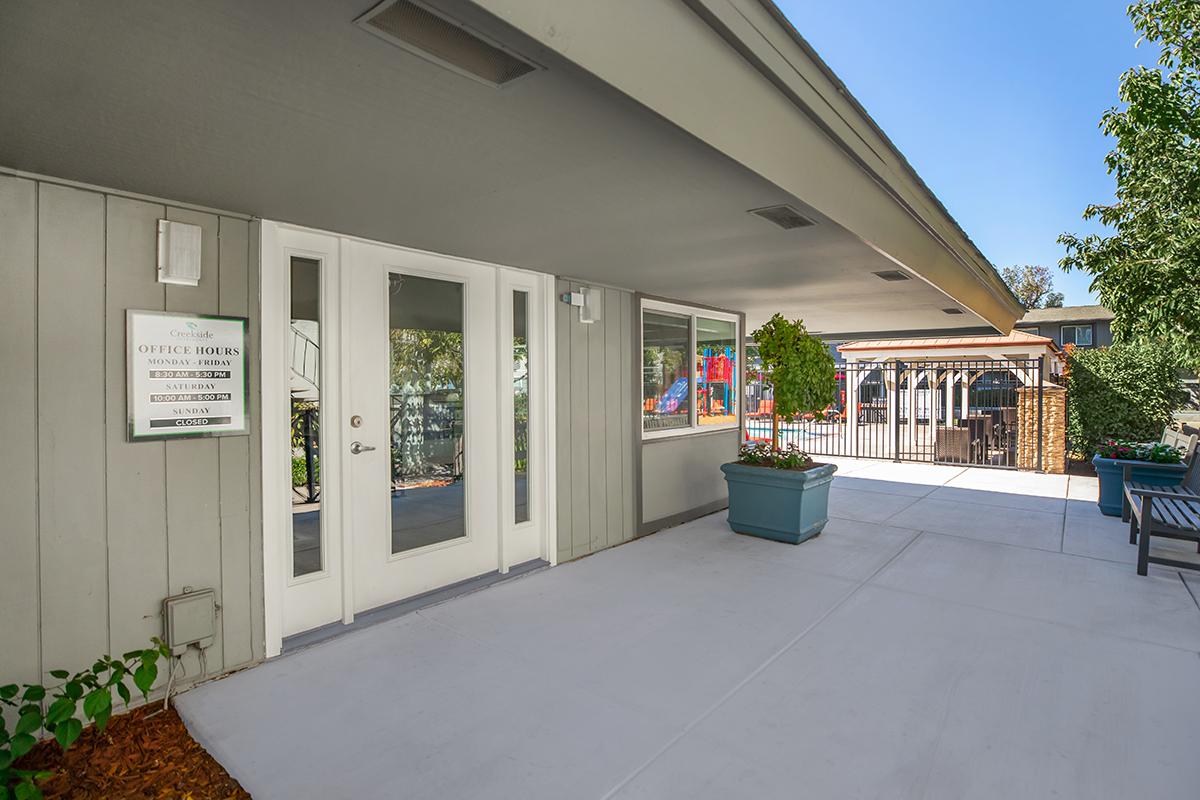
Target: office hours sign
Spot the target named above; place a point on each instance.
(187, 375)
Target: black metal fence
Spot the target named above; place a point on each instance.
(945, 411)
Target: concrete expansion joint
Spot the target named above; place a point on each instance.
(1030, 618)
(757, 671)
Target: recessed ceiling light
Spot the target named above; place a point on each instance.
(784, 216)
(891, 275)
(427, 33)
(952, 311)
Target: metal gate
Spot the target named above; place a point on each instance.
(944, 412)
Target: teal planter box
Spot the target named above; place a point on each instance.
(781, 504)
(1111, 472)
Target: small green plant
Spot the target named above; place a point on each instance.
(1155, 452)
(300, 471)
(762, 454)
(799, 368)
(57, 710)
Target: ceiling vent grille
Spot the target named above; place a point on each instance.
(952, 311)
(426, 33)
(784, 216)
(891, 275)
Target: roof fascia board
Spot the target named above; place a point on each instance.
(760, 32)
(951, 354)
(697, 80)
(811, 68)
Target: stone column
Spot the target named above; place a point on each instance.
(1054, 428)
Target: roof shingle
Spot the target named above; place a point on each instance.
(1037, 316)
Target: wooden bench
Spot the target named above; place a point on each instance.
(1175, 438)
(1172, 512)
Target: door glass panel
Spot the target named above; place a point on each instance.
(304, 342)
(428, 457)
(520, 379)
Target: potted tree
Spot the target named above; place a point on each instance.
(781, 493)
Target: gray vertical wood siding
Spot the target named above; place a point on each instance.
(97, 530)
(20, 651)
(594, 408)
(682, 478)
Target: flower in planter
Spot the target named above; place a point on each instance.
(763, 455)
(1154, 452)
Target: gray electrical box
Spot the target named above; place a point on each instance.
(190, 618)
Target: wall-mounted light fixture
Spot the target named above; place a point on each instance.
(587, 300)
(178, 253)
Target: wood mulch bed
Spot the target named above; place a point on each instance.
(1080, 467)
(145, 753)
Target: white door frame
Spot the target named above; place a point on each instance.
(275, 314)
(521, 542)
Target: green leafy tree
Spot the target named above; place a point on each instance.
(425, 365)
(426, 359)
(1146, 269)
(1033, 285)
(799, 368)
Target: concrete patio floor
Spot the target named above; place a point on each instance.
(954, 633)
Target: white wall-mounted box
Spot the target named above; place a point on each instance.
(178, 253)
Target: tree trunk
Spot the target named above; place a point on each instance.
(774, 430)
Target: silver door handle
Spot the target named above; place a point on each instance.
(359, 447)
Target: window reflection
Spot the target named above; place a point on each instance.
(716, 372)
(520, 379)
(428, 456)
(305, 389)
(666, 386)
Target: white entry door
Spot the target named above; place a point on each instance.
(417, 436)
(423, 446)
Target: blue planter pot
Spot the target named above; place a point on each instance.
(1111, 472)
(780, 504)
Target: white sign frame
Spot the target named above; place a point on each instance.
(138, 381)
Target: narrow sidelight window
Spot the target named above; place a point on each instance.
(520, 381)
(305, 388)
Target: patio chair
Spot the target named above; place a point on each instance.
(1172, 512)
(953, 445)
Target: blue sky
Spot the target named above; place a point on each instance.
(996, 105)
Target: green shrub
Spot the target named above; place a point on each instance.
(1126, 391)
(57, 710)
(300, 472)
